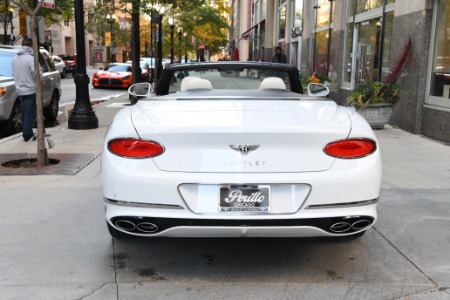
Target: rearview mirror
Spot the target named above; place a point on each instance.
(318, 89)
(140, 89)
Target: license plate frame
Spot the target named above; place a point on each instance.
(244, 198)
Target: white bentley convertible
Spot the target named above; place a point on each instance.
(233, 149)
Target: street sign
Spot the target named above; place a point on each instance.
(23, 23)
(49, 4)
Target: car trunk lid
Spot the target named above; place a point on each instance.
(242, 136)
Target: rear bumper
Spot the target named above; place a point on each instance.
(178, 222)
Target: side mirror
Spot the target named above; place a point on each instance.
(140, 90)
(318, 89)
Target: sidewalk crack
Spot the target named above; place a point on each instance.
(93, 292)
(436, 285)
(115, 268)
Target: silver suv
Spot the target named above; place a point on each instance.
(10, 112)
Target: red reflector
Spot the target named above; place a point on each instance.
(135, 148)
(353, 148)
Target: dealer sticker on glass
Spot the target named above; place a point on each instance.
(244, 198)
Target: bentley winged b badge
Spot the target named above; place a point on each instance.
(244, 149)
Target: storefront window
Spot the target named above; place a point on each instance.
(440, 77)
(298, 18)
(387, 44)
(366, 5)
(323, 17)
(320, 63)
(366, 55)
(282, 17)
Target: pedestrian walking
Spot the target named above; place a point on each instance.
(279, 56)
(23, 69)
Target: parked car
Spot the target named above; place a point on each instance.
(10, 108)
(59, 65)
(238, 156)
(71, 62)
(146, 69)
(117, 75)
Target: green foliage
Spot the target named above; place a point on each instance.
(374, 92)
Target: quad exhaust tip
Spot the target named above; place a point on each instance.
(125, 225)
(144, 227)
(147, 227)
(348, 225)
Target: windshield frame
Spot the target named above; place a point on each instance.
(170, 71)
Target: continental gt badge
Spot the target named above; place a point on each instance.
(244, 149)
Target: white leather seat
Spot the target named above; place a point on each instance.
(199, 84)
(272, 83)
(185, 81)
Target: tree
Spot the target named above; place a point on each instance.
(6, 15)
(42, 156)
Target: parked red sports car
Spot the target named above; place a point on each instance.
(114, 75)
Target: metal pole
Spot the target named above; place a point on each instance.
(82, 116)
(159, 67)
(329, 36)
(171, 42)
(380, 56)
(317, 7)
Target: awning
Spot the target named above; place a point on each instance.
(248, 30)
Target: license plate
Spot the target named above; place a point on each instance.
(244, 198)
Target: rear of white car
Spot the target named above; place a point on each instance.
(256, 168)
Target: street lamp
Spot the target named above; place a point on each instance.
(111, 18)
(82, 116)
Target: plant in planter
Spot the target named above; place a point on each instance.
(375, 100)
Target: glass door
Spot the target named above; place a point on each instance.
(367, 50)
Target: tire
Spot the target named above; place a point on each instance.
(116, 233)
(14, 123)
(52, 110)
(63, 74)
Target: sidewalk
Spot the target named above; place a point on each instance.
(54, 243)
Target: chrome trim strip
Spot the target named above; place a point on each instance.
(347, 204)
(144, 205)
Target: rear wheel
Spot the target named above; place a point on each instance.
(116, 233)
(63, 74)
(51, 111)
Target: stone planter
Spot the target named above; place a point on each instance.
(377, 115)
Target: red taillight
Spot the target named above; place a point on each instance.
(352, 148)
(135, 148)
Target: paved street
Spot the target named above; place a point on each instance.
(54, 243)
(68, 90)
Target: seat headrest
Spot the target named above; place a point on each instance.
(272, 83)
(185, 81)
(199, 84)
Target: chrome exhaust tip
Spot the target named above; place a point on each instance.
(361, 224)
(125, 225)
(147, 227)
(340, 227)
